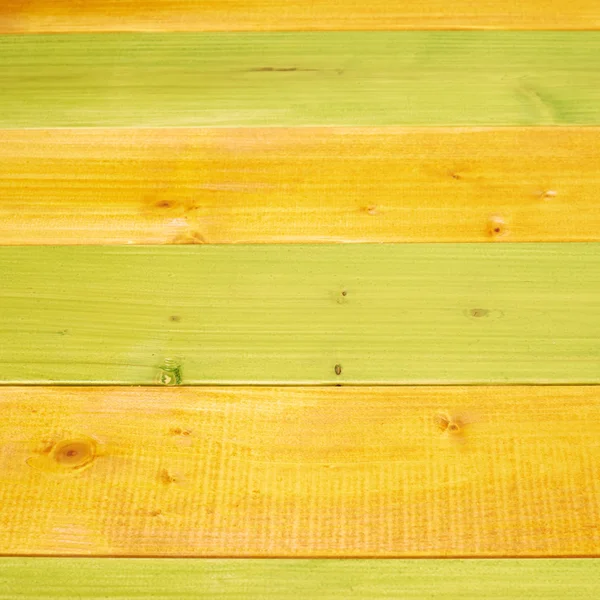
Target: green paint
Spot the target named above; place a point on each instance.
(170, 372)
(284, 79)
(331, 579)
(412, 313)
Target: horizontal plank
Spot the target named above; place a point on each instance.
(275, 15)
(289, 79)
(259, 579)
(396, 471)
(354, 313)
(158, 186)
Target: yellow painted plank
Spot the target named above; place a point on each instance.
(160, 186)
(271, 15)
(421, 471)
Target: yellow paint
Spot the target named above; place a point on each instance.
(272, 15)
(389, 471)
(158, 186)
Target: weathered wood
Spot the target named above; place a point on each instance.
(378, 313)
(157, 186)
(281, 79)
(264, 15)
(164, 579)
(392, 471)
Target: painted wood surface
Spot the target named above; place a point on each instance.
(265, 15)
(237, 471)
(281, 79)
(157, 186)
(164, 579)
(354, 313)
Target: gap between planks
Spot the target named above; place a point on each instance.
(265, 15)
(317, 185)
(305, 472)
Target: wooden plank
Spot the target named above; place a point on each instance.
(259, 579)
(271, 15)
(285, 79)
(305, 472)
(354, 313)
(157, 186)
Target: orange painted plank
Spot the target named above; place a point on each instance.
(160, 186)
(237, 471)
(270, 15)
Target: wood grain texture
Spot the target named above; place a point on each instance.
(265, 15)
(157, 186)
(377, 313)
(290, 79)
(396, 471)
(259, 579)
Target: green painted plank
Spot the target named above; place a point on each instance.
(316, 78)
(364, 313)
(166, 579)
